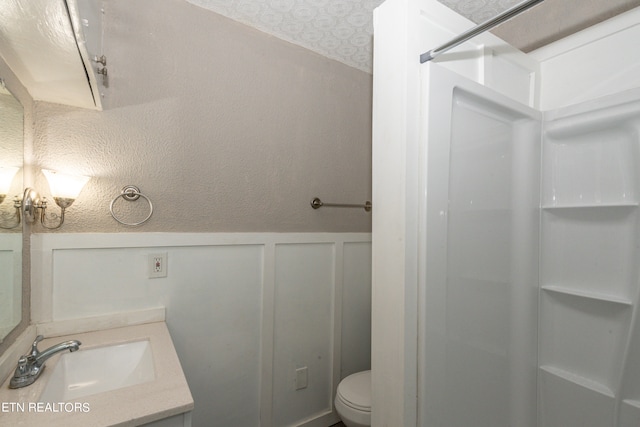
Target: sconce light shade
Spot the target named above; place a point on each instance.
(6, 178)
(65, 186)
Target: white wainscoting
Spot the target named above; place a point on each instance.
(245, 310)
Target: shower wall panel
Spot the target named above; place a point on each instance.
(589, 342)
(480, 272)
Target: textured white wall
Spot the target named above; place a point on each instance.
(11, 133)
(225, 128)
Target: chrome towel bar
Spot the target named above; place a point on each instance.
(316, 203)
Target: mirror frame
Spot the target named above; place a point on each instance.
(21, 94)
(11, 233)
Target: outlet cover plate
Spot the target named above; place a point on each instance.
(157, 265)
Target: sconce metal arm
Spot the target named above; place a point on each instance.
(43, 211)
(32, 204)
(17, 205)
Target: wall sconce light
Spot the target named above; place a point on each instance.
(64, 189)
(6, 178)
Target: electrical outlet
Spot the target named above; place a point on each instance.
(157, 265)
(302, 378)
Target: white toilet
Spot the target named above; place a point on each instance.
(353, 400)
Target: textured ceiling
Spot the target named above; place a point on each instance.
(338, 29)
(342, 29)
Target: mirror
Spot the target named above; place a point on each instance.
(11, 164)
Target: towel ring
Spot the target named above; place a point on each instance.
(131, 193)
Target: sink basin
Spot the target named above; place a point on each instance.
(97, 370)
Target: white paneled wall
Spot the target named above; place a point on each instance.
(304, 307)
(244, 310)
(356, 316)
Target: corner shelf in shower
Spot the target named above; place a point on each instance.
(589, 250)
(586, 294)
(583, 337)
(591, 206)
(631, 402)
(578, 380)
(629, 412)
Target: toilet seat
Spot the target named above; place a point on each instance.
(353, 400)
(355, 391)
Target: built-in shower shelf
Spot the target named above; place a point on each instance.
(578, 380)
(592, 206)
(631, 402)
(586, 294)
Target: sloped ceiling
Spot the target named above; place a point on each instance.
(338, 29)
(342, 29)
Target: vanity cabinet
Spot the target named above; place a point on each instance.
(181, 420)
(55, 48)
(122, 396)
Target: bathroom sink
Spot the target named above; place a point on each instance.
(97, 370)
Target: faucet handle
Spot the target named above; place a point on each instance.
(34, 346)
(22, 365)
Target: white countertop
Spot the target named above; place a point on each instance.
(166, 396)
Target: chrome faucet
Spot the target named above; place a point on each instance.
(30, 366)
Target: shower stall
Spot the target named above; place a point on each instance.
(506, 229)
